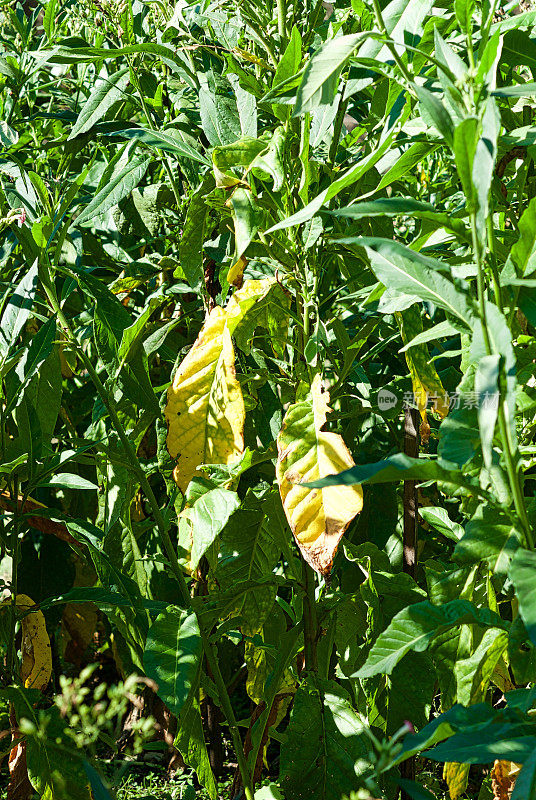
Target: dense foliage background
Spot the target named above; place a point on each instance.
(284, 241)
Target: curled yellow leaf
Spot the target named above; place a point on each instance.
(36, 667)
(205, 409)
(317, 517)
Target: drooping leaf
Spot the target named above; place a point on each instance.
(17, 311)
(190, 742)
(205, 409)
(172, 653)
(403, 269)
(427, 386)
(325, 753)
(36, 667)
(318, 518)
(207, 517)
(415, 627)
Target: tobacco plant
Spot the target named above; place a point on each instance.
(267, 368)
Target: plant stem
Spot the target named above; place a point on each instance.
(390, 44)
(165, 159)
(227, 709)
(310, 621)
(337, 127)
(167, 544)
(282, 21)
(10, 655)
(508, 447)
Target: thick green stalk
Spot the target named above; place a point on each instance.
(508, 446)
(162, 529)
(282, 22)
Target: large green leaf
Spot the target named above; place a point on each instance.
(172, 654)
(207, 517)
(116, 190)
(105, 93)
(162, 140)
(190, 742)
(521, 573)
(17, 310)
(320, 79)
(326, 748)
(407, 206)
(249, 552)
(403, 269)
(416, 626)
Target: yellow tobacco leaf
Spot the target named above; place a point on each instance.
(262, 303)
(456, 776)
(235, 275)
(426, 382)
(36, 666)
(205, 408)
(503, 779)
(317, 517)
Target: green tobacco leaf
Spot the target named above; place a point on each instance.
(395, 206)
(521, 573)
(38, 351)
(17, 311)
(107, 91)
(321, 76)
(67, 54)
(465, 143)
(440, 520)
(415, 154)
(464, 10)
(440, 331)
(407, 271)
(208, 516)
(288, 66)
(116, 190)
(219, 117)
(247, 218)
(249, 552)
(190, 742)
(162, 140)
(347, 179)
(326, 748)
(193, 235)
(172, 654)
(395, 468)
(474, 674)
(415, 627)
(522, 253)
(487, 388)
(525, 785)
(435, 114)
(490, 537)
